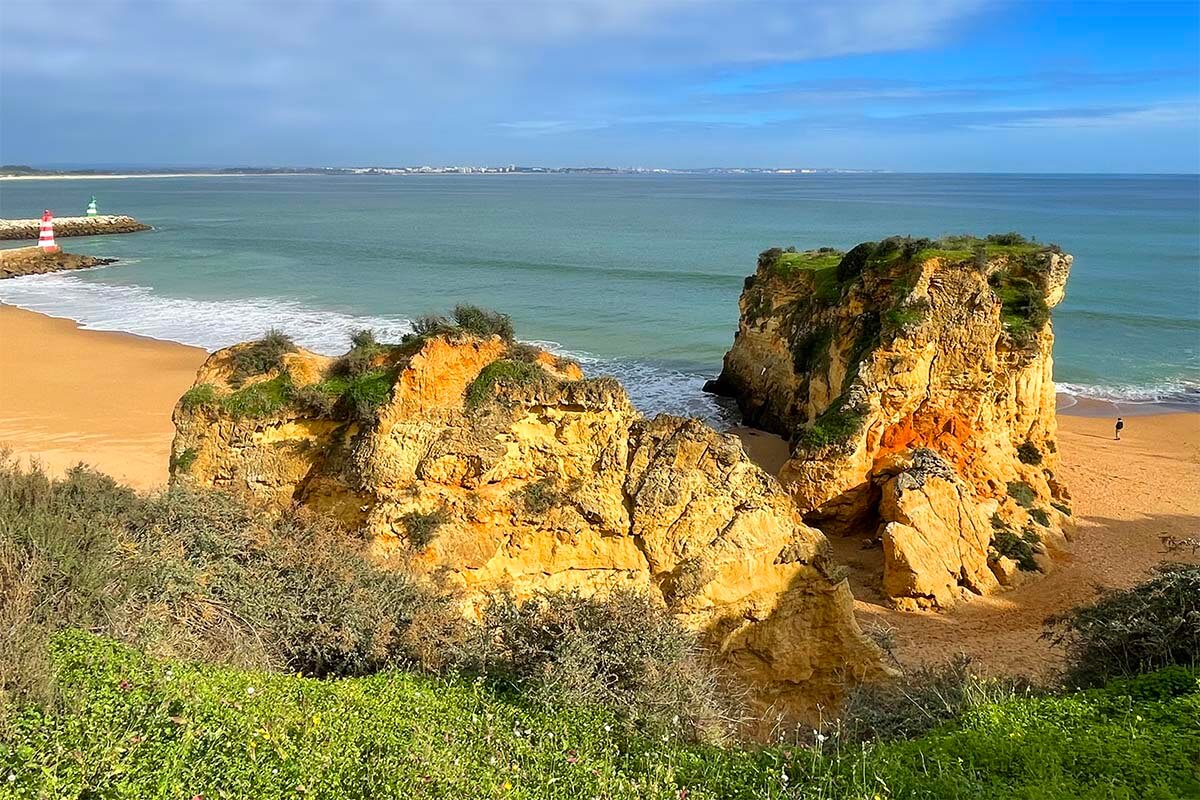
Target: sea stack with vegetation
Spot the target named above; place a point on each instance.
(913, 381)
(492, 467)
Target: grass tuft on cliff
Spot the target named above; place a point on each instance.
(260, 399)
(200, 396)
(262, 356)
(499, 373)
(833, 429)
(465, 319)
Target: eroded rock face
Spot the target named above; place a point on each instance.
(544, 481)
(865, 357)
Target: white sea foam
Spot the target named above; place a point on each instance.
(1181, 392)
(213, 324)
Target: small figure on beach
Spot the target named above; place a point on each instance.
(1120, 427)
(91, 208)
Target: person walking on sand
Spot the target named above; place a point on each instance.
(1120, 427)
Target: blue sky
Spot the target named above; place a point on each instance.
(914, 85)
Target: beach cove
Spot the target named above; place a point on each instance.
(72, 396)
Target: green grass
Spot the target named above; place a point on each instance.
(259, 399)
(502, 372)
(788, 264)
(202, 395)
(834, 428)
(133, 727)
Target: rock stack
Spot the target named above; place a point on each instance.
(913, 380)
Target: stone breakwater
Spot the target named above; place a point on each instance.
(72, 226)
(33, 261)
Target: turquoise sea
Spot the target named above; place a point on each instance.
(636, 275)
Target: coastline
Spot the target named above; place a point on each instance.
(105, 398)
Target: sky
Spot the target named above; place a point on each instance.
(906, 85)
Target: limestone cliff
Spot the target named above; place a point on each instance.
(493, 466)
(913, 380)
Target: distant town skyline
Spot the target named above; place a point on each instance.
(939, 85)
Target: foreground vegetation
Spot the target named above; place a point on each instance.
(184, 645)
(128, 726)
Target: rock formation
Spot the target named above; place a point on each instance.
(72, 226)
(489, 465)
(34, 261)
(913, 380)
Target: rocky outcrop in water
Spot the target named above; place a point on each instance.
(913, 380)
(489, 465)
(72, 226)
(34, 261)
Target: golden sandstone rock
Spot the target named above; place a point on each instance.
(488, 466)
(914, 382)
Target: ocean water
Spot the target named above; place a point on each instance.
(637, 276)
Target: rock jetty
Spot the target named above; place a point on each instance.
(913, 380)
(493, 466)
(71, 226)
(35, 261)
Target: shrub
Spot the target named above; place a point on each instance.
(920, 700)
(1010, 239)
(1061, 507)
(768, 258)
(1040, 516)
(202, 395)
(318, 398)
(363, 338)
(619, 651)
(1018, 548)
(364, 351)
(1029, 453)
(540, 496)
(367, 392)
(481, 322)
(1023, 308)
(502, 372)
(834, 428)
(1022, 492)
(192, 573)
(431, 325)
(182, 461)
(854, 262)
(1152, 625)
(421, 527)
(262, 356)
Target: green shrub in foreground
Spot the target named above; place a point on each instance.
(129, 726)
(193, 573)
(1152, 625)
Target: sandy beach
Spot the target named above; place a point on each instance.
(69, 395)
(1125, 494)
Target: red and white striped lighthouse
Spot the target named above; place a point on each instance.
(46, 234)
